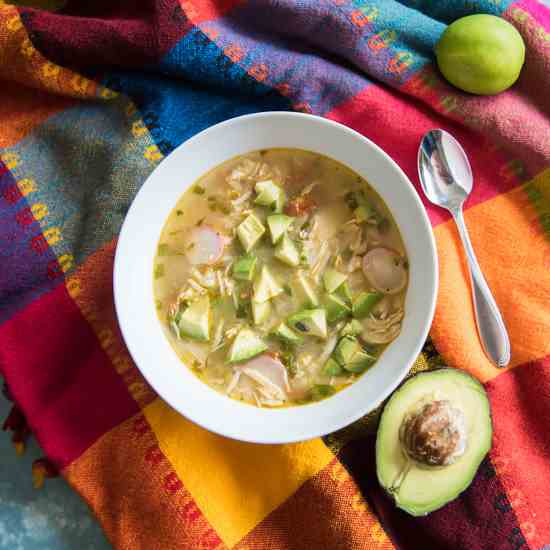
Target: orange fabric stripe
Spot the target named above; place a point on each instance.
(21, 62)
(22, 109)
(514, 254)
(91, 288)
(327, 512)
(140, 501)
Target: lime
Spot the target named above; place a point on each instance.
(481, 54)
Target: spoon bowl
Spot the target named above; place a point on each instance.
(446, 175)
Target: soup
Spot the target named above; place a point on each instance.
(280, 277)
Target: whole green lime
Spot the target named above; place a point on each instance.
(480, 54)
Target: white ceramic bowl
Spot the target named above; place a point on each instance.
(133, 277)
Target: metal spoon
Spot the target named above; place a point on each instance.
(446, 179)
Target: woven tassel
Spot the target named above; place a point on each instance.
(42, 469)
(17, 423)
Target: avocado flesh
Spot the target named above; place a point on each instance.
(245, 346)
(194, 322)
(424, 488)
(278, 225)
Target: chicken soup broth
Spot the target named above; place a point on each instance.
(280, 277)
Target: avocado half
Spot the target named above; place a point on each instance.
(419, 488)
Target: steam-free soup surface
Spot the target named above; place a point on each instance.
(280, 277)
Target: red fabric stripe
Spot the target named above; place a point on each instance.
(520, 401)
(69, 402)
(397, 125)
(103, 33)
(481, 519)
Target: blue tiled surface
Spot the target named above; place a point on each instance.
(52, 518)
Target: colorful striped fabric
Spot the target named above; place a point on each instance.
(93, 95)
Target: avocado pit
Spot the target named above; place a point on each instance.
(434, 434)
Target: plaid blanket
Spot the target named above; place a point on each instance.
(93, 95)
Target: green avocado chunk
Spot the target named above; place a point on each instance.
(266, 286)
(194, 322)
(287, 252)
(345, 293)
(278, 225)
(250, 231)
(336, 308)
(261, 311)
(332, 280)
(351, 356)
(321, 391)
(287, 334)
(332, 368)
(363, 304)
(310, 322)
(247, 344)
(270, 194)
(352, 328)
(305, 293)
(244, 268)
(420, 488)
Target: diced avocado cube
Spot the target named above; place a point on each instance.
(278, 225)
(364, 303)
(311, 322)
(267, 192)
(250, 231)
(321, 391)
(362, 213)
(352, 328)
(266, 286)
(345, 349)
(351, 356)
(332, 280)
(261, 312)
(280, 202)
(244, 268)
(270, 194)
(345, 293)
(336, 308)
(332, 368)
(194, 322)
(355, 199)
(287, 334)
(304, 291)
(247, 344)
(360, 363)
(287, 252)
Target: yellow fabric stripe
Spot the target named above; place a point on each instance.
(236, 485)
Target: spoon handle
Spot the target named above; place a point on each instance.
(490, 326)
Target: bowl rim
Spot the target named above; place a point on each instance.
(253, 433)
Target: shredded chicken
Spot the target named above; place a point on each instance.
(218, 337)
(206, 279)
(382, 331)
(354, 264)
(271, 402)
(322, 259)
(233, 383)
(221, 286)
(327, 349)
(242, 199)
(258, 403)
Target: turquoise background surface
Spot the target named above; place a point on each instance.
(51, 518)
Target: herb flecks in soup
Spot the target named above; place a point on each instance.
(280, 277)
